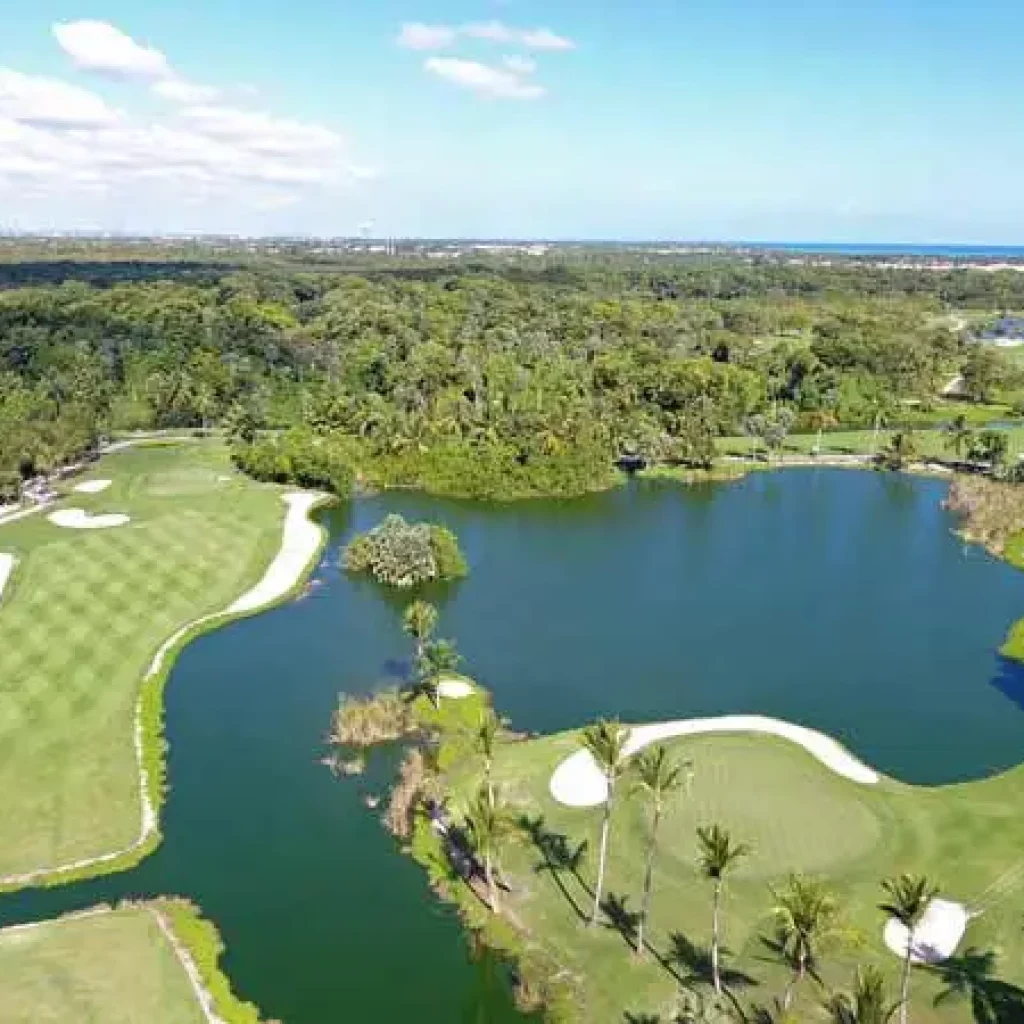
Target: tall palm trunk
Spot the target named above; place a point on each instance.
(489, 780)
(602, 857)
(716, 905)
(648, 879)
(905, 980)
(492, 889)
(801, 971)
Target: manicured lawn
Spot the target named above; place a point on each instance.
(929, 443)
(115, 968)
(798, 816)
(80, 621)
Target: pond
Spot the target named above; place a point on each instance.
(837, 599)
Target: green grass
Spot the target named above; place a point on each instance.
(930, 443)
(798, 816)
(115, 968)
(81, 619)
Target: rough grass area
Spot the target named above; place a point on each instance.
(82, 617)
(115, 968)
(798, 816)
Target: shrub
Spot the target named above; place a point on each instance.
(403, 554)
(297, 457)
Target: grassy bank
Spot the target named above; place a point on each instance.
(797, 816)
(83, 616)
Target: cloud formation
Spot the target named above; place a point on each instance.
(101, 48)
(420, 36)
(484, 78)
(58, 139)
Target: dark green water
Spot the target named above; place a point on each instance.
(836, 599)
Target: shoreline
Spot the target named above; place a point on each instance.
(302, 542)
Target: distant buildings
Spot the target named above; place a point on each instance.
(1006, 332)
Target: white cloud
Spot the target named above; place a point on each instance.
(180, 91)
(262, 133)
(418, 36)
(49, 102)
(99, 46)
(520, 65)
(414, 35)
(65, 144)
(495, 31)
(484, 78)
(545, 39)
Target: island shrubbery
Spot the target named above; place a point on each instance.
(403, 554)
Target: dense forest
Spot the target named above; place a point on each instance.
(491, 377)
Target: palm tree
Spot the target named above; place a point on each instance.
(658, 777)
(438, 658)
(806, 916)
(906, 899)
(419, 622)
(718, 853)
(486, 735)
(489, 824)
(867, 1004)
(958, 435)
(605, 740)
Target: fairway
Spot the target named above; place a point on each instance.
(112, 968)
(83, 614)
(797, 816)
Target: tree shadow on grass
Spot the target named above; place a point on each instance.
(695, 962)
(971, 977)
(559, 858)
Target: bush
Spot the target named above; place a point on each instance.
(402, 554)
(297, 457)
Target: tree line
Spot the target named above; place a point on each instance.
(487, 379)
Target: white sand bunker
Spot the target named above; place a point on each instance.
(454, 688)
(79, 519)
(936, 936)
(578, 782)
(301, 542)
(6, 568)
(93, 486)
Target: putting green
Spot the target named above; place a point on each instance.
(797, 816)
(83, 614)
(117, 968)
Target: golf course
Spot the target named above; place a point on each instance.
(187, 544)
(797, 816)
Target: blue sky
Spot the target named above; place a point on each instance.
(874, 120)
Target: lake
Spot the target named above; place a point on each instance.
(837, 599)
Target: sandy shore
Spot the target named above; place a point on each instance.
(577, 781)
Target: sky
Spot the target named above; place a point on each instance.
(826, 120)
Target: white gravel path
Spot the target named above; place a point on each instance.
(79, 519)
(93, 486)
(299, 545)
(936, 936)
(6, 568)
(578, 782)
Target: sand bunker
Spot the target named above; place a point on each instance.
(578, 782)
(454, 688)
(6, 568)
(93, 486)
(79, 519)
(936, 936)
(300, 543)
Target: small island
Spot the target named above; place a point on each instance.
(398, 553)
